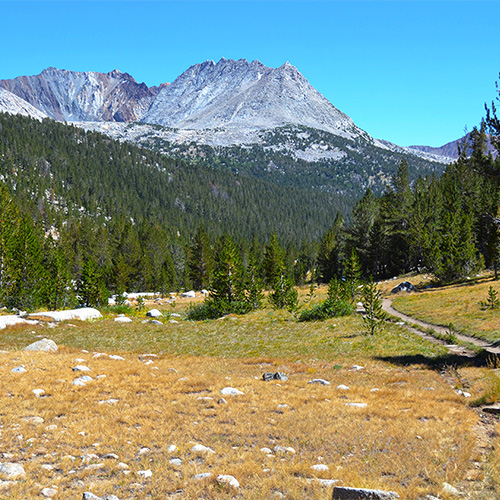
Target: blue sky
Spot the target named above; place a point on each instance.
(407, 72)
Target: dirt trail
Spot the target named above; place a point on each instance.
(456, 349)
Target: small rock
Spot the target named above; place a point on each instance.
(90, 496)
(81, 368)
(319, 467)
(155, 322)
(109, 401)
(44, 345)
(325, 482)
(145, 473)
(19, 369)
(357, 405)
(274, 376)
(47, 467)
(227, 480)
(116, 357)
(342, 387)
(11, 470)
(222, 401)
(231, 391)
(319, 381)
(143, 450)
(495, 409)
(38, 392)
(94, 466)
(203, 475)
(176, 461)
(266, 450)
(123, 319)
(82, 381)
(284, 449)
(405, 286)
(49, 492)
(154, 313)
(188, 295)
(451, 490)
(199, 448)
(172, 448)
(173, 322)
(4, 485)
(356, 368)
(110, 456)
(33, 419)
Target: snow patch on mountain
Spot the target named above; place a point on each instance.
(14, 105)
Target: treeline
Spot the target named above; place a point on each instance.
(446, 226)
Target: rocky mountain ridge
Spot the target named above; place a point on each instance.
(84, 96)
(263, 119)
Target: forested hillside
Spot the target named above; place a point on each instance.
(57, 171)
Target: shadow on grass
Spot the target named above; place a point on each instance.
(483, 358)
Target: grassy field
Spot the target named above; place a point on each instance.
(400, 425)
(455, 305)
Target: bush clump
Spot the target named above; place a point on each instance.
(338, 303)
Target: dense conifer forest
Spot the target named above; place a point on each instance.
(83, 216)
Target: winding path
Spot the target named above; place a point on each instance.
(455, 349)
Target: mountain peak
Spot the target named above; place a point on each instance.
(238, 94)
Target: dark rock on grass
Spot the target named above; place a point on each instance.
(406, 286)
(345, 493)
(274, 376)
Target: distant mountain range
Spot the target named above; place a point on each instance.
(238, 114)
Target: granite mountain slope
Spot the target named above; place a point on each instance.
(84, 96)
(238, 94)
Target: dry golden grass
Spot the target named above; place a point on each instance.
(414, 434)
(410, 438)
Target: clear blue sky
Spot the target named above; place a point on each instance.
(408, 72)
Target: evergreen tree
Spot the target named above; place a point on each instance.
(227, 290)
(91, 289)
(254, 285)
(28, 276)
(284, 295)
(273, 263)
(352, 275)
(362, 220)
(329, 252)
(58, 292)
(372, 303)
(200, 260)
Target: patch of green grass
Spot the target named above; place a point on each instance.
(262, 333)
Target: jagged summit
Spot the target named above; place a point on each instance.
(236, 93)
(232, 94)
(83, 96)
